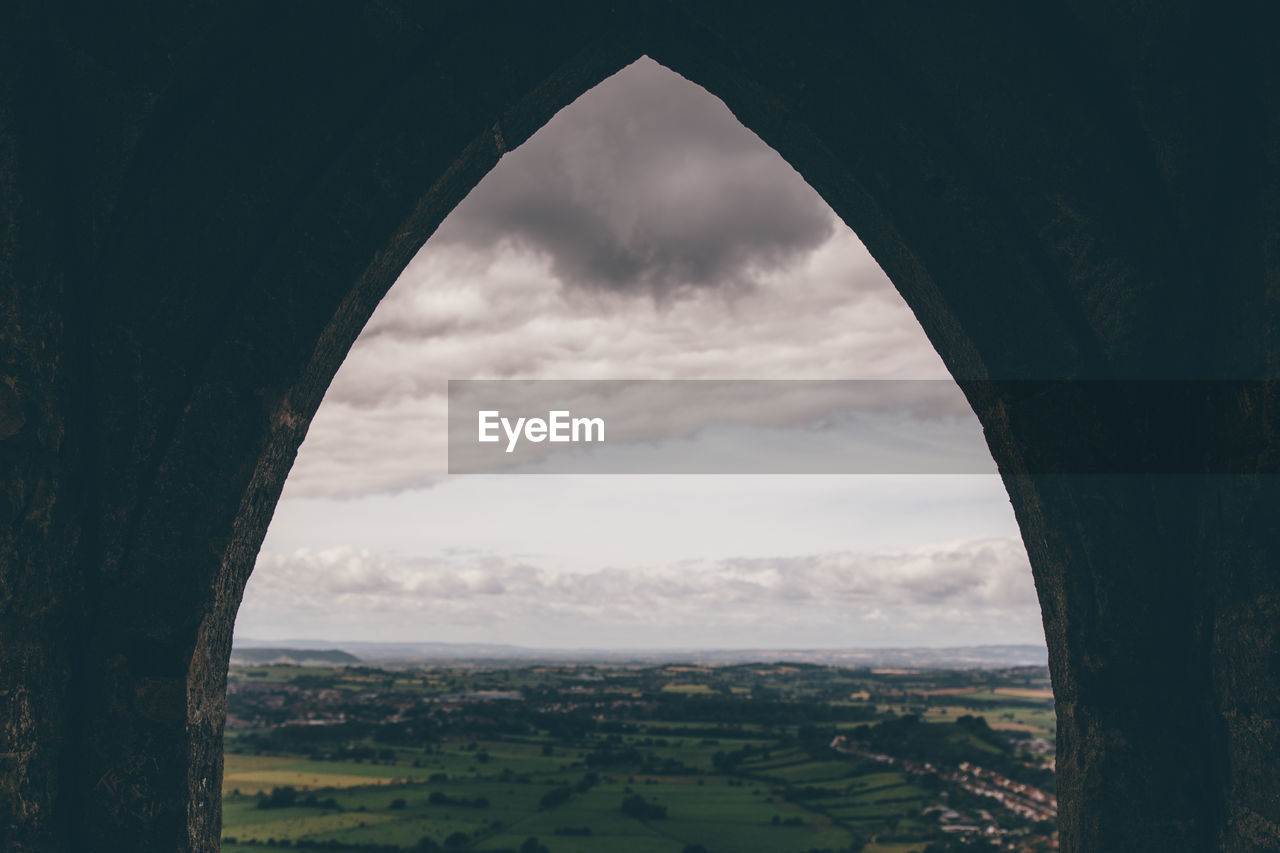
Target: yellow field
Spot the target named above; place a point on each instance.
(237, 763)
(1030, 721)
(288, 827)
(255, 774)
(1027, 692)
(686, 688)
(1006, 726)
(261, 781)
(894, 847)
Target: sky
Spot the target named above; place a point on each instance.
(643, 233)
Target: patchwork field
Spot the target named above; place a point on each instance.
(669, 760)
(712, 810)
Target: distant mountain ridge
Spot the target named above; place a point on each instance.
(328, 651)
(267, 654)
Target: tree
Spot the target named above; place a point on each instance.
(555, 797)
(279, 798)
(638, 807)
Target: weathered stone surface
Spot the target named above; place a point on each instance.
(203, 204)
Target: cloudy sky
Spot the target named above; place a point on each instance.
(642, 234)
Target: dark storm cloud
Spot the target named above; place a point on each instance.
(646, 183)
(646, 186)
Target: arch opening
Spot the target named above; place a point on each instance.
(643, 232)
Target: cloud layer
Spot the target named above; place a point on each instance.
(642, 234)
(832, 599)
(646, 184)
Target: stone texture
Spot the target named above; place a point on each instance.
(204, 202)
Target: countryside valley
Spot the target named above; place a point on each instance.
(640, 757)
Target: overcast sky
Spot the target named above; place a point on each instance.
(642, 234)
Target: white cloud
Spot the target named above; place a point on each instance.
(933, 595)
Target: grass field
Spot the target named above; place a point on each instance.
(718, 811)
(484, 773)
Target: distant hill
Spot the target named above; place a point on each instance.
(959, 657)
(301, 657)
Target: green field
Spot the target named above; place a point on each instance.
(718, 811)
(377, 760)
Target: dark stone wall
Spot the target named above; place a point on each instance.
(204, 202)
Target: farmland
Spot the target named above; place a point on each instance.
(644, 759)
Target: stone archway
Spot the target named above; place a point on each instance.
(1056, 193)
